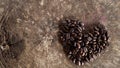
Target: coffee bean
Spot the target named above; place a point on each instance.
(79, 63)
(79, 29)
(74, 61)
(67, 36)
(96, 28)
(78, 45)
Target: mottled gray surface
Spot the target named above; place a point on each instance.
(37, 23)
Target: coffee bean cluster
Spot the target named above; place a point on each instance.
(82, 43)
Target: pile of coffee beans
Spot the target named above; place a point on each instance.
(82, 43)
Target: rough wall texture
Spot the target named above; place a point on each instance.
(36, 21)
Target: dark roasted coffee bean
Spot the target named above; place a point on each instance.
(67, 36)
(90, 34)
(85, 49)
(74, 60)
(87, 42)
(94, 38)
(79, 29)
(89, 38)
(78, 45)
(96, 28)
(79, 63)
(97, 33)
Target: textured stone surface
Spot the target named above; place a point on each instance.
(37, 23)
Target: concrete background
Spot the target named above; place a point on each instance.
(36, 21)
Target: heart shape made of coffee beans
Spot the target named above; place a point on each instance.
(82, 43)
